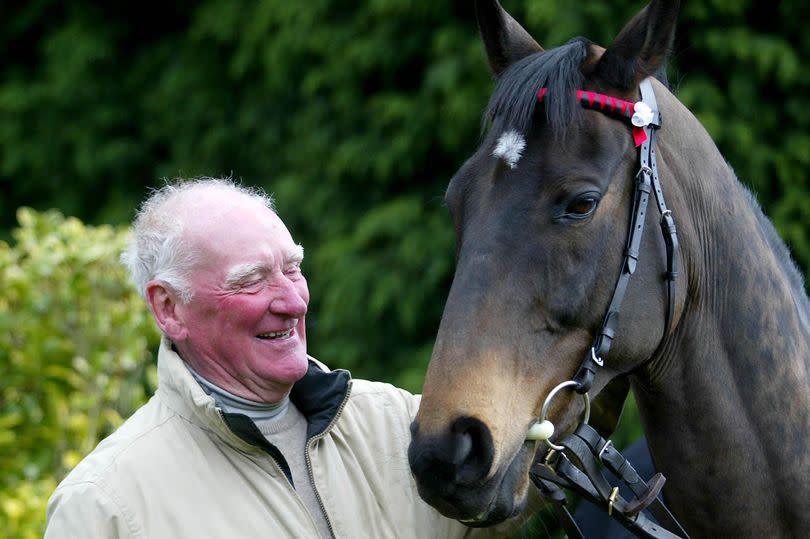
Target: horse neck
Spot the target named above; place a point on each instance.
(729, 391)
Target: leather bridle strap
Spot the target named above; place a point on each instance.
(647, 495)
(576, 469)
(668, 228)
(554, 496)
(573, 464)
(646, 180)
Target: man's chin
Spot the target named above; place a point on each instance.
(289, 369)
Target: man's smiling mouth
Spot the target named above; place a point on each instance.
(272, 335)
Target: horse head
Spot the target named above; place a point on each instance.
(541, 212)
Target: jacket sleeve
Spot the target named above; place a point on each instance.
(86, 511)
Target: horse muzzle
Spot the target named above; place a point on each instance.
(453, 473)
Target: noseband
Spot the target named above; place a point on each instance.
(573, 463)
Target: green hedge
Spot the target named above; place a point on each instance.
(76, 345)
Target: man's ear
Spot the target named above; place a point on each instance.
(164, 302)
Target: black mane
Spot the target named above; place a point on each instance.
(557, 70)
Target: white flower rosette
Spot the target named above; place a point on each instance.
(642, 114)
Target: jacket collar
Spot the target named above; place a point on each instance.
(319, 395)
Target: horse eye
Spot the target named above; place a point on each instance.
(582, 206)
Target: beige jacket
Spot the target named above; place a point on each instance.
(179, 468)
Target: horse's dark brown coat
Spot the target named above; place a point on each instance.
(724, 398)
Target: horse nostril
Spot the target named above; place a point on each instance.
(464, 444)
(474, 450)
(460, 456)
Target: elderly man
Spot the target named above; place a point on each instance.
(246, 435)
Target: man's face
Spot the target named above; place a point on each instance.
(245, 324)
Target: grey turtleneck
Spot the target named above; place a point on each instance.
(284, 426)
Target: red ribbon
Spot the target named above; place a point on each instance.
(626, 107)
(639, 135)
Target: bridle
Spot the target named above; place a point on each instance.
(645, 123)
(572, 462)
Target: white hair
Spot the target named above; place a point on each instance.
(158, 249)
(510, 148)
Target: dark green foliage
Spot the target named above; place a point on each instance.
(355, 114)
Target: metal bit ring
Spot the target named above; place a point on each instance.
(547, 403)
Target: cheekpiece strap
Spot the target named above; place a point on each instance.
(645, 119)
(577, 466)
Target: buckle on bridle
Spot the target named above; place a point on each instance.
(644, 169)
(596, 359)
(608, 445)
(612, 499)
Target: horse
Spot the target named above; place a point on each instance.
(719, 365)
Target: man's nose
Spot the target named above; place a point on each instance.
(290, 298)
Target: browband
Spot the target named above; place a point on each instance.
(637, 112)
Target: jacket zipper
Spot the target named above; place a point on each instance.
(276, 462)
(309, 460)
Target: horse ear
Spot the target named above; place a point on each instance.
(641, 48)
(504, 38)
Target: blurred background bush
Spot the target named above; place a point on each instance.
(354, 113)
(76, 356)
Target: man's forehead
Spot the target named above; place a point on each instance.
(236, 230)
